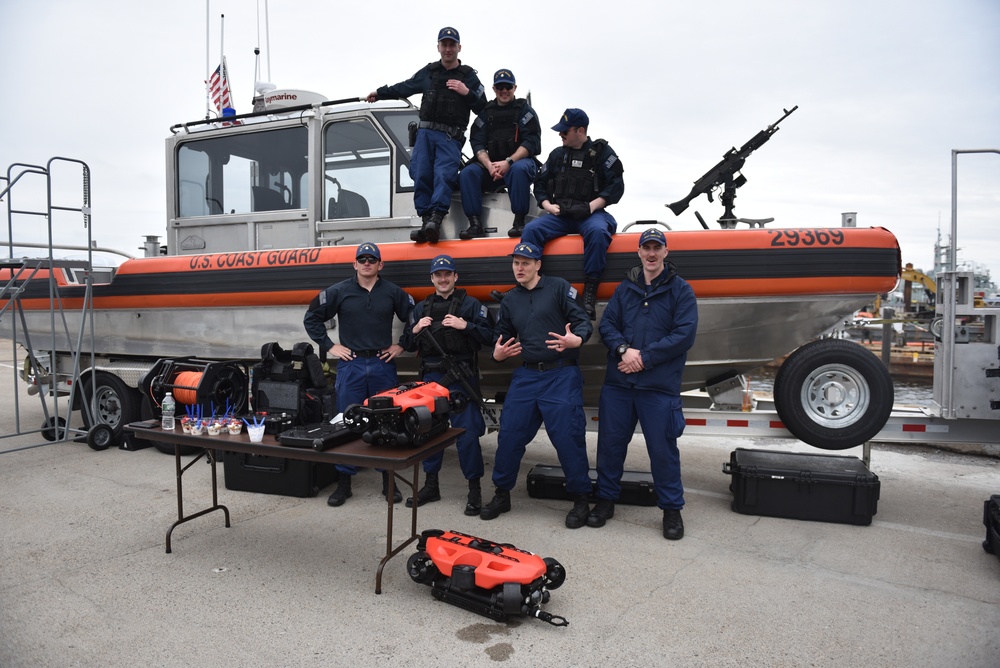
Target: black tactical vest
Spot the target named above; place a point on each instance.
(441, 105)
(578, 179)
(452, 340)
(502, 131)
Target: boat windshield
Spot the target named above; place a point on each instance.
(358, 165)
(243, 173)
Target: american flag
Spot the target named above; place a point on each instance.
(218, 87)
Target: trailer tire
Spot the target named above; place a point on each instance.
(833, 394)
(117, 404)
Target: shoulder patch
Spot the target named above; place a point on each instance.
(322, 297)
(611, 160)
(483, 311)
(479, 122)
(409, 298)
(527, 117)
(572, 293)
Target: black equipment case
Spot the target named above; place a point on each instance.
(549, 482)
(283, 382)
(991, 518)
(322, 436)
(824, 488)
(276, 475)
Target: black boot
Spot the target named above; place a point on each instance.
(475, 503)
(475, 230)
(577, 517)
(396, 496)
(428, 493)
(420, 236)
(673, 525)
(603, 511)
(499, 504)
(342, 493)
(432, 229)
(518, 227)
(590, 296)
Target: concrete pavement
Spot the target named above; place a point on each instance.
(84, 580)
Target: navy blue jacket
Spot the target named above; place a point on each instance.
(660, 320)
(532, 314)
(364, 318)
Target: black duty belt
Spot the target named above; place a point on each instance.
(549, 366)
(366, 353)
(452, 131)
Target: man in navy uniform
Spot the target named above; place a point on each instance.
(541, 323)
(574, 186)
(648, 326)
(364, 306)
(505, 138)
(461, 325)
(450, 92)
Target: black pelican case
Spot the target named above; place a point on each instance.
(991, 518)
(549, 482)
(276, 475)
(823, 488)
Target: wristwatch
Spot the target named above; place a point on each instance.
(510, 161)
(621, 350)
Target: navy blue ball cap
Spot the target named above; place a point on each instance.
(529, 251)
(504, 76)
(572, 118)
(368, 248)
(443, 263)
(449, 33)
(653, 234)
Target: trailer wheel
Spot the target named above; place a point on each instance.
(833, 394)
(116, 403)
(100, 437)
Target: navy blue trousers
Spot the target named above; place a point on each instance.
(470, 453)
(359, 379)
(474, 180)
(596, 230)
(434, 167)
(662, 421)
(556, 398)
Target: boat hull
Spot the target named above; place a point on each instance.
(761, 294)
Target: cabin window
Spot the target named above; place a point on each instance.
(398, 126)
(357, 177)
(243, 173)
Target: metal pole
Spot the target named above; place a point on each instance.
(950, 285)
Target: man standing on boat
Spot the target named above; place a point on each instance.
(574, 186)
(450, 92)
(648, 326)
(460, 325)
(364, 306)
(505, 138)
(541, 322)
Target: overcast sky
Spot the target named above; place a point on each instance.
(885, 88)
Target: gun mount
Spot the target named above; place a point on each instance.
(726, 174)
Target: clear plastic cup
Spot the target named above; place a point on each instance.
(256, 433)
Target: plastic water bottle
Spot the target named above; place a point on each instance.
(168, 406)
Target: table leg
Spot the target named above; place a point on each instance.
(390, 552)
(181, 518)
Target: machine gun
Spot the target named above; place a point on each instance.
(726, 174)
